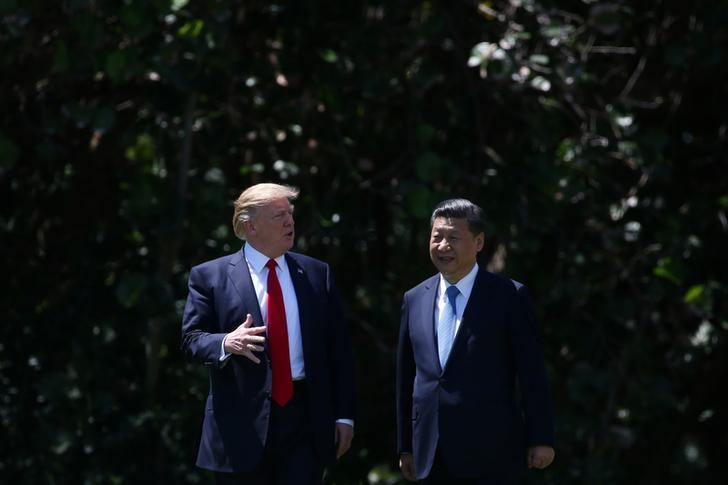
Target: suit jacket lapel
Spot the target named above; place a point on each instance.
(300, 286)
(472, 312)
(428, 317)
(240, 277)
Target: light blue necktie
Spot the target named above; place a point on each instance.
(446, 325)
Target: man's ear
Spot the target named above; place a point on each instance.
(249, 227)
(480, 241)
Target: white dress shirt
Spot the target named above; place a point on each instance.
(256, 262)
(465, 286)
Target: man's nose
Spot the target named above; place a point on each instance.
(444, 244)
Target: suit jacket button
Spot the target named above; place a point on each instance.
(442, 380)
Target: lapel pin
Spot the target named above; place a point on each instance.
(300, 270)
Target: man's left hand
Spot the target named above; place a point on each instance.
(540, 456)
(344, 435)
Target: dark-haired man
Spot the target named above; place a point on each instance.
(473, 404)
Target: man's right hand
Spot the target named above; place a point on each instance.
(407, 465)
(245, 340)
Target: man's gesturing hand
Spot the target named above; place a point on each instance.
(245, 340)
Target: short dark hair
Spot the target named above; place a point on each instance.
(461, 209)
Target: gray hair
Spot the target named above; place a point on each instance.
(253, 198)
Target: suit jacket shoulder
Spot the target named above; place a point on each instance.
(306, 261)
(500, 282)
(423, 286)
(221, 262)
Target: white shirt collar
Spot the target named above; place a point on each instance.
(258, 260)
(465, 285)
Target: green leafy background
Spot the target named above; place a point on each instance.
(593, 134)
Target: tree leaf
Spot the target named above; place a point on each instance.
(694, 293)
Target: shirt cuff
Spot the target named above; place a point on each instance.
(350, 422)
(223, 355)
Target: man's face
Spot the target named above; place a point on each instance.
(453, 248)
(271, 230)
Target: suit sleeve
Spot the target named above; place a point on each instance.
(405, 376)
(201, 339)
(341, 365)
(532, 379)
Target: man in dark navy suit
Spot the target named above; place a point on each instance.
(473, 403)
(268, 324)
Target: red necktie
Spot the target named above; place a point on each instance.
(278, 339)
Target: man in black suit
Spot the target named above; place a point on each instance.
(268, 324)
(473, 403)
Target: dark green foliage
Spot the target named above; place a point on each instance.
(593, 133)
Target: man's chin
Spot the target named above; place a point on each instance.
(445, 269)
